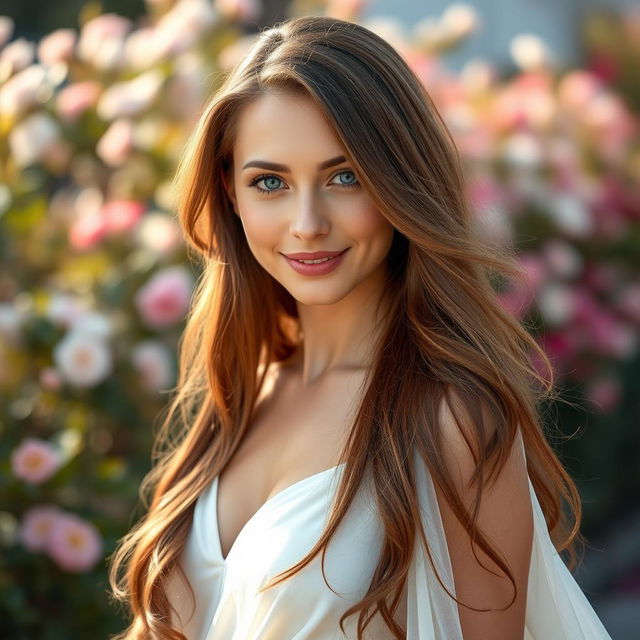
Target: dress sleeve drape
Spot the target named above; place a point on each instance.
(557, 609)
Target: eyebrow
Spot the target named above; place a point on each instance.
(274, 166)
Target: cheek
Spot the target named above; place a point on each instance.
(259, 227)
(371, 225)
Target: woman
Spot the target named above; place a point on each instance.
(361, 454)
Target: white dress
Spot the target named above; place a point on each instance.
(303, 607)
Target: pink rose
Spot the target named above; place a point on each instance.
(116, 143)
(164, 299)
(122, 215)
(22, 91)
(159, 233)
(75, 99)
(87, 230)
(57, 47)
(101, 42)
(250, 9)
(50, 379)
(36, 526)
(34, 461)
(74, 544)
(17, 55)
(153, 362)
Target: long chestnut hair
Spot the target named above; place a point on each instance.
(446, 332)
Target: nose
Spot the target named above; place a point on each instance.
(309, 221)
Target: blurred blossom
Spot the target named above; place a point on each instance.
(87, 230)
(483, 191)
(93, 323)
(564, 161)
(342, 9)
(517, 298)
(460, 20)
(50, 379)
(32, 138)
(159, 233)
(608, 335)
(246, 10)
(605, 393)
(150, 131)
(478, 75)
(34, 461)
(74, 99)
(390, 29)
(555, 303)
(11, 319)
(611, 122)
(140, 48)
(153, 363)
(485, 197)
(125, 99)
(476, 143)
(523, 150)
(83, 359)
(560, 347)
(63, 308)
(21, 92)
(101, 42)
(57, 47)
(185, 90)
(529, 52)
(16, 56)
(182, 26)
(116, 143)
(36, 526)
(73, 543)
(164, 299)
(562, 258)
(6, 29)
(628, 300)
(602, 278)
(577, 89)
(611, 337)
(233, 52)
(87, 226)
(569, 213)
(122, 215)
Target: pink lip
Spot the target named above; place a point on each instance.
(316, 269)
(313, 256)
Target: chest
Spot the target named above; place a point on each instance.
(295, 434)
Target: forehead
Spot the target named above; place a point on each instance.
(280, 125)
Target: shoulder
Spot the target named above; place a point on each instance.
(504, 517)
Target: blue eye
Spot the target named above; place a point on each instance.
(270, 179)
(348, 184)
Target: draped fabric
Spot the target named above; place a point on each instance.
(303, 607)
(557, 609)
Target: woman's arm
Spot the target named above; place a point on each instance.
(506, 519)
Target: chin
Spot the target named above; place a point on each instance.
(317, 298)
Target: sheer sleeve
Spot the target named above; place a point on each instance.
(556, 607)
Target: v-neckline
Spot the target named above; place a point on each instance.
(261, 508)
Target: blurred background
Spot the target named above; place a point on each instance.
(96, 102)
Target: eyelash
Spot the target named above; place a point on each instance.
(257, 179)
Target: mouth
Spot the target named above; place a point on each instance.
(316, 257)
(318, 266)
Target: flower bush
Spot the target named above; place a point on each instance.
(95, 280)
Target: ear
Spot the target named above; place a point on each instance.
(229, 187)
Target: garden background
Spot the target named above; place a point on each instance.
(96, 102)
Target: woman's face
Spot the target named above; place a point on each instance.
(312, 202)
